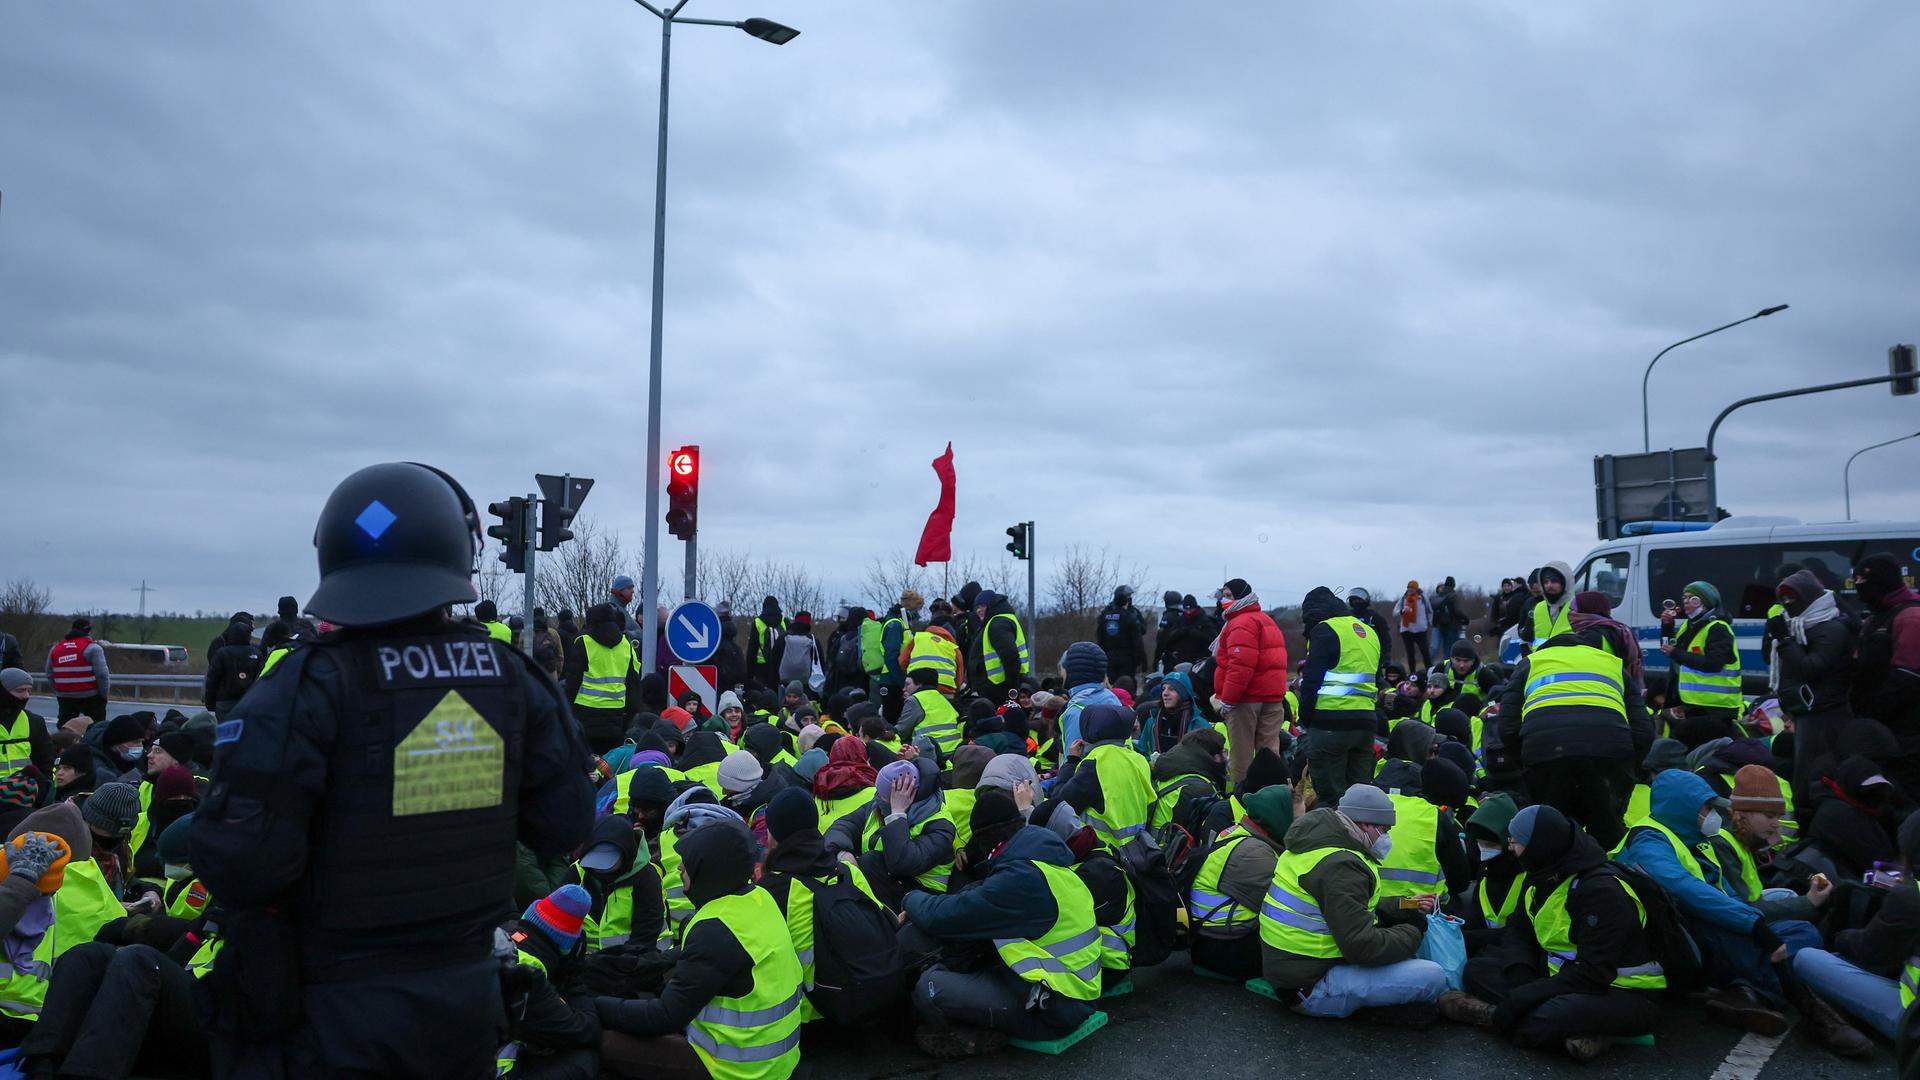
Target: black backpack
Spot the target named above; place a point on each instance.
(1157, 900)
(846, 658)
(1667, 933)
(859, 973)
(1112, 624)
(241, 672)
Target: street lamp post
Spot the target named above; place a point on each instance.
(1846, 474)
(1646, 440)
(772, 33)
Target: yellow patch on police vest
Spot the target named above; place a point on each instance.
(451, 760)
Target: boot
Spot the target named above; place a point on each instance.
(1826, 1026)
(1587, 1047)
(1463, 1008)
(1741, 1007)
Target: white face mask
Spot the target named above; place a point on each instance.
(1488, 852)
(176, 872)
(1382, 846)
(1710, 825)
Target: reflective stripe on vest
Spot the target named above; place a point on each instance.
(16, 744)
(995, 667)
(604, 685)
(1350, 686)
(930, 650)
(756, 1035)
(69, 669)
(1559, 675)
(1553, 929)
(1290, 920)
(941, 721)
(1126, 787)
(1214, 913)
(1066, 959)
(1709, 689)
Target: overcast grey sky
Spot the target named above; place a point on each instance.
(1300, 293)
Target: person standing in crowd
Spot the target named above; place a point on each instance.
(398, 979)
(1574, 710)
(1360, 605)
(799, 651)
(763, 649)
(1122, 635)
(487, 614)
(1250, 683)
(1170, 614)
(1810, 644)
(1003, 658)
(620, 595)
(1552, 614)
(1703, 677)
(1448, 620)
(1415, 618)
(10, 652)
(23, 732)
(602, 679)
(1189, 638)
(1887, 684)
(77, 667)
(1338, 694)
(549, 650)
(231, 670)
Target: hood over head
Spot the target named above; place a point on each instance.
(1320, 605)
(718, 858)
(1105, 722)
(1412, 741)
(1676, 800)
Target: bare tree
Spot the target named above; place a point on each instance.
(577, 574)
(889, 576)
(1083, 580)
(793, 585)
(725, 575)
(23, 599)
(494, 581)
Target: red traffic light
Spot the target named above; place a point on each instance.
(683, 491)
(684, 462)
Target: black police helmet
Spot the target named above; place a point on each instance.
(395, 541)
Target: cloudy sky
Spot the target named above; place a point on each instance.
(1301, 293)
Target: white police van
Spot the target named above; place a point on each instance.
(1743, 557)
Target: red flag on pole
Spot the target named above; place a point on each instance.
(936, 540)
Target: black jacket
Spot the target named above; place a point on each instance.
(1557, 732)
(1187, 638)
(545, 1022)
(1323, 654)
(10, 652)
(231, 669)
(999, 638)
(1816, 676)
(1121, 633)
(1606, 932)
(604, 728)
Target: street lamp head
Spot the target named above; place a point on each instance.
(1771, 310)
(769, 31)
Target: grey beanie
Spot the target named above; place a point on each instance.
(809, 764)
(1006, 770)
(13, 678)
(739, 772)
(1367, 805)
(1665, 754)
(1084, 663)
(1521, 827)
(112, 810)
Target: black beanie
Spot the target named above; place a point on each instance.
(1264, 771)
(650, 786)
(995, 819)
(486, 611)
(124, 729)
(1464, 649)
(177, 744)
(790, 812)
(1877, 577)
(289, 608)
(1443, 784)
(1239, 588)
(1551, 839)
(719, 860)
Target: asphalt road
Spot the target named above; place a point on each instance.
(1176, 1024)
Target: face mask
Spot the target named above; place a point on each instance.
(1710, 825)
(1488, 853)
(1381, 847)
(176, 872)
(134, 753)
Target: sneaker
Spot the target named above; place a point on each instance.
(1414, 1014)
(1739, 1006)
(1463, 1008)
(1586, 1049)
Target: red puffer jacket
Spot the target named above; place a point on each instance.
(1253, 659)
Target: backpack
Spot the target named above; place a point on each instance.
(873, 636)
(846, 655)
(1667, 933)
(240, 675)
(1157, 901)
(859, 972)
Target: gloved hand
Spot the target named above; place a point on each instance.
(1777, 628)
(38, 857)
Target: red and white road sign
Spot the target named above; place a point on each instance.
(695, 678)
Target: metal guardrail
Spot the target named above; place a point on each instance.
(142, 685)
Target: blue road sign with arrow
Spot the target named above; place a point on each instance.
(693, 632)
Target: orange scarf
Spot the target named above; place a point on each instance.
(1410, 606)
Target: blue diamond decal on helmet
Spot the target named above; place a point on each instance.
(376, 519)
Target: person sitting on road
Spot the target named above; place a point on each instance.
(1104, 780)
(550, 1039)
(1871, 972)
(905, 840)
(1106, 881)
(1043, 974)
(1223, 907)
(797, 864)
(1496, 893)
(1576, 966)
(1327, 944)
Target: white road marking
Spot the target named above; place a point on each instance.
(1748, 1056)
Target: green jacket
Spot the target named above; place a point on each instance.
(1340, 885)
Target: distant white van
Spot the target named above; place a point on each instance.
(159, 656)
(1744, 558)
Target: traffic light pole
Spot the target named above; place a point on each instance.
(1713, 484)
(533, 547)
(1030, 576)
(693, 565)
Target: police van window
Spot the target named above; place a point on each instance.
(1733, 569)
(1604, 573)
(1832, 561)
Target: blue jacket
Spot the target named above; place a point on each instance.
(1078, 698)
(1675, 802)
(1182, 684)
(1011, 901)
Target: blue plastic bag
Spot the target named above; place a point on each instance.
(1446, 945)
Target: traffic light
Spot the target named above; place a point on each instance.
(554, 519)
(1900, 361)
(511, 532)
(1019, 544)
(683, 492)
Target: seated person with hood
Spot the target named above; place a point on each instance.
(1105, 782)
(1739, 946)
(1429, 857)
(1223, 907)
(1043, 974)
(797, 866)
(700, 761)
(1170, 716)
(1188, 779)
(551, 1040)
(1106, 881)
(844, 785)
(1855, 816)
(1327, 943)
(1576, 967)
(731, 1008)
(1496, 895)
(617, 876)
(904, 840)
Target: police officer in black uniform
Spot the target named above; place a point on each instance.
(365, 799)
